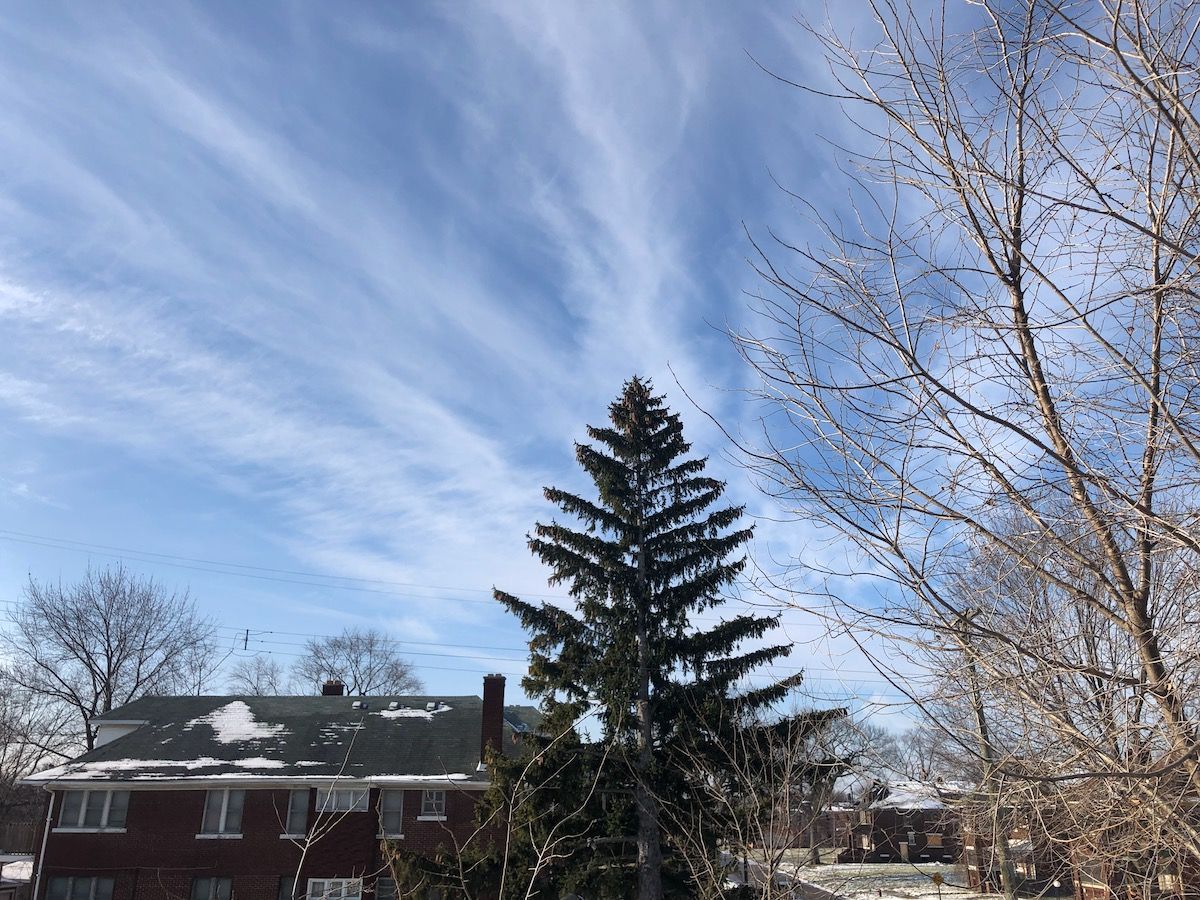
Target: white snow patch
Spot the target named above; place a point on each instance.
(21, 870)
(892, 881)
(234, 722)
(104, 768)
(406, 713)
(919, 794)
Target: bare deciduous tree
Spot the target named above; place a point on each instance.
(33, 731)
(762, 782)
(365, 659)
(985, 377)
(258, 676)
(104, 641)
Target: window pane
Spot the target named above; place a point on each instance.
(117, 808)
(433, 803)
(393, 823)
(287, 887)
(104, 888)
(201, 888)
(222, 888)
(316, 889)
(353, 889)
(385, 889)
(297, 820)
(393, 801)
(391, 814)
(233, 812)
(71, 810)
(212, 812)
(93, 808)
(81, 888)
(59, 887)
(334, 890)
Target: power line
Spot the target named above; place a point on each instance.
(264, 639)
(202, 565)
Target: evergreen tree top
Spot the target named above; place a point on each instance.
(655, 548)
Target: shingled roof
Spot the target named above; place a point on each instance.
(393, 740)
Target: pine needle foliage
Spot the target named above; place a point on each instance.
(653, 548)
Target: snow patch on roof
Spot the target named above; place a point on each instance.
(235, 723)
(919, 795)
(107, 767)
(407, 713)
(21, 870)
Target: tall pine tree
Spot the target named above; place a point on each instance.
(642, 559)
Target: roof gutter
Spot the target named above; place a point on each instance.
(201, 782)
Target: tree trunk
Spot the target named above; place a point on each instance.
(649, 844)
(999, 835)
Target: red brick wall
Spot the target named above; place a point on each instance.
(159, 853)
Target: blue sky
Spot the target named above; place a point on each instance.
(332, 289)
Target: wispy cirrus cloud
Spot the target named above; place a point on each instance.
(361, 275)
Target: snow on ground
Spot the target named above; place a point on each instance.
(234, 722)
(900, 881)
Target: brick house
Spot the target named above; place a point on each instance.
(1041, 864)
(1050, 858)
(264, 798)
(904, 822)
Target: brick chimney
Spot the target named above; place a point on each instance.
(492, 732)
(333, 688)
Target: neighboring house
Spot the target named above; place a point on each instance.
(16, 871)
(1145, 876)
(1040, 865)
(259, 798)
(906, 821)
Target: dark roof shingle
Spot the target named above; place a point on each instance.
(309, 738)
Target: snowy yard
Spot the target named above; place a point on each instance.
(896, 880)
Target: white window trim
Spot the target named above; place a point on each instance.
(324, 794)
(79, 827)
(338, 881)
(432, 817)
(291, 797)
(292, 837)
(71, 829)
(216, 835)
(392, 835)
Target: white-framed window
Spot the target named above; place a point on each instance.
(335, 889)
(391, 813)
(212, 888)
(94, 809)
(76, 887)
(342, 800)
(223, 812)
(433, 804)
(297, 814)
